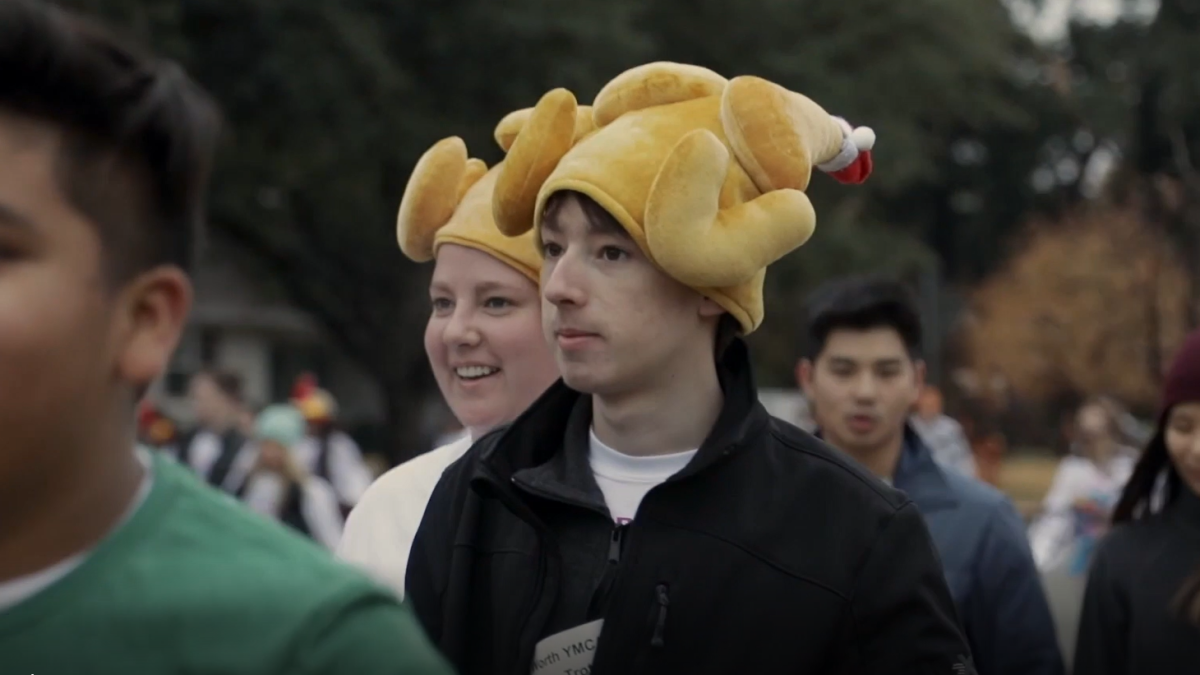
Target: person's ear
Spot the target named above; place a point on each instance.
(709, 308)
(804, 375)
(152, 311)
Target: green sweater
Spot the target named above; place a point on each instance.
(194, 583)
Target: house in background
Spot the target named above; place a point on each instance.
(238, 325)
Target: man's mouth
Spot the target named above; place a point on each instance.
(862, 423)
(572, 333)
(574, 340)
(475, 372)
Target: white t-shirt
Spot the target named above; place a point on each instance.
(379, 532)
(18, 590)
(625, 479)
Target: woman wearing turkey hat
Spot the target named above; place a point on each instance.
(483, 339)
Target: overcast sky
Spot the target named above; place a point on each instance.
(1050, 22)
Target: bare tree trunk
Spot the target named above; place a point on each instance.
(1186, 220)
(1154, 349)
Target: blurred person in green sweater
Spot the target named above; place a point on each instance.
(114, 560)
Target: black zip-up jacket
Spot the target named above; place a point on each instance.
(769, 553)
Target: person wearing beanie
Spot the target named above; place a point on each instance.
(280, 486)
(647, 515)
(327, 451)
(1140, 611)
(483, 338)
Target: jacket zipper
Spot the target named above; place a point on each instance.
(660, 623)
(614, 544)
(603, 592)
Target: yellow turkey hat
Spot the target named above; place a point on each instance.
(448, 200)
(706, 174)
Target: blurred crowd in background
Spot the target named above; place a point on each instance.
(1037, 161)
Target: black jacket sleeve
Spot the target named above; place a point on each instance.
(1104, 622)
(904, 620)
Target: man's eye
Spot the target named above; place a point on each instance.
(613, 254)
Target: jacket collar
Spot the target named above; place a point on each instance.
(567, 475)
(921, 478)
(541, 432)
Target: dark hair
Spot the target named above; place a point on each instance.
(599, 219)
(860, 304)
(728, 330)
(229, 384)
(1136, 498)
(138, 136)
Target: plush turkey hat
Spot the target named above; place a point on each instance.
(448, 200)
(706, 174)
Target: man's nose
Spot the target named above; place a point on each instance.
(866, 387)
(561, 281)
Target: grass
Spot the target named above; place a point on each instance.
(1026, 479)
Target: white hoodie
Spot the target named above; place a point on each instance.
(379, 531)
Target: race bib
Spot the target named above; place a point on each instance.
(569, 652)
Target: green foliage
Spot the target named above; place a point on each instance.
(1135, 83)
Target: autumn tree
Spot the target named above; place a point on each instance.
(1093, 304)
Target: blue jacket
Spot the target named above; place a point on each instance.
(988, 564)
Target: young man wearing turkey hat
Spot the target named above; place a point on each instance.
(646, 515)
